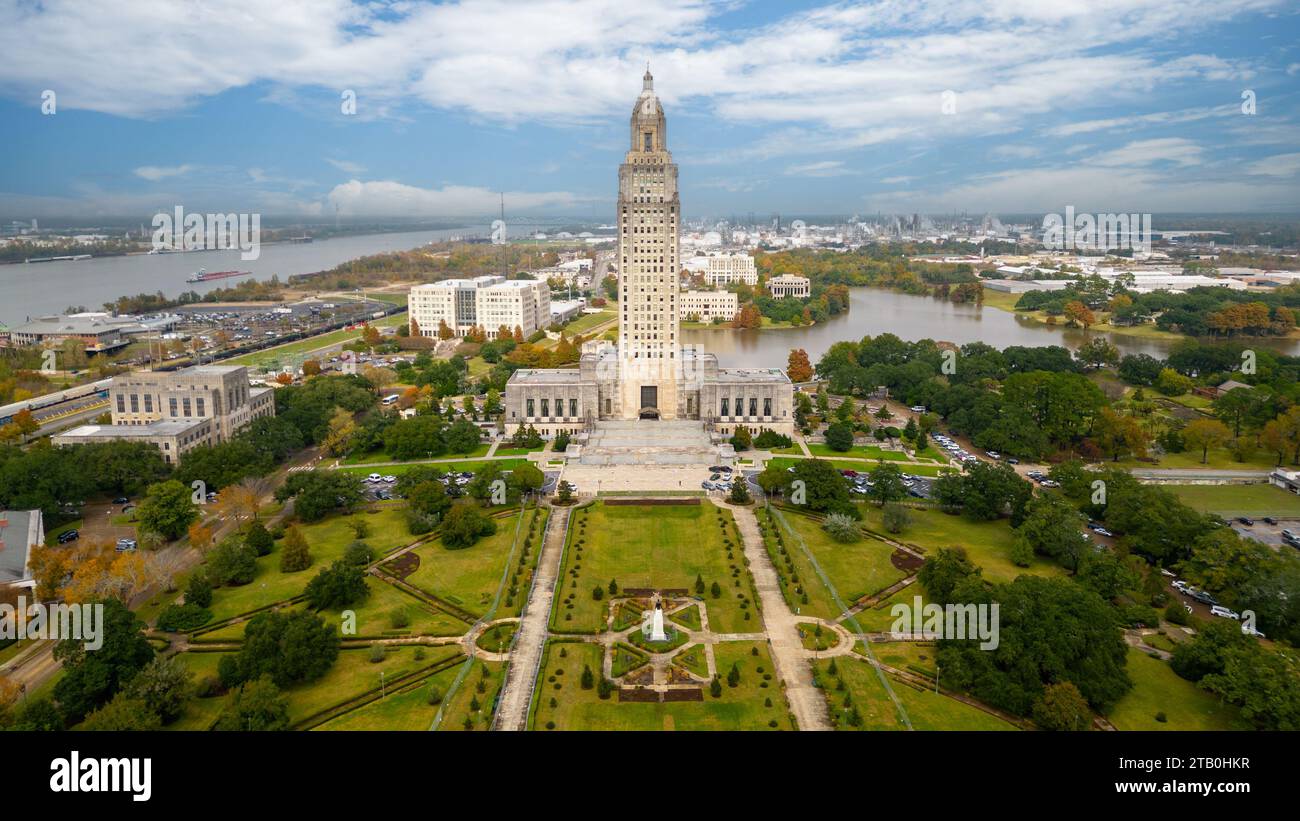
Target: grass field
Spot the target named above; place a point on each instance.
(652, 546)
(474, 699)
(926, 709)
(469, 578)
(456, 466)
(1239, 500)
(783, 462)
(375, 456)
(1157, 688)
(327, 541)
(408, 709)
(756, 703)
(584, 323)
(988, 544)
(856, 569)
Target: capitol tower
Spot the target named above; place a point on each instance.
(649, 217)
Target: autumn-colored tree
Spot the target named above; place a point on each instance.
(414, 327)
(241, 500)
(311, 367)
(519, 335)
(1079, 314)
(1206, 434)
(444, 330)
(371, 336)
(504, 332)
(283, 379)
(408, 398)
(748, 317)
(26, 422)
(342, 427)
(799, 369)
(200, 536)
(48, 565)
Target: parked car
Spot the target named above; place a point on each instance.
(1246, 520)
(1269, 520)
(374, 477)
(125, 544)
(121, 500)
(1225, 613)
(69, 536)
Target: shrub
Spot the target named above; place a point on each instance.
(199, 591)
(181, 618)
(841, 528)
(359, 553)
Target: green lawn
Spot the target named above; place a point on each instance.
(327, 541)
(200, 712)
(407, 709)
(469, 578)
(926, 709)
(662, 547)
(473, 466)
(744, 707)
(377, 456)
(856, 569)
(518, 451)
(461, 705)
(586, 322)
(879, 619)
(916, 468)
(1157, 688)
(302, 346)
(1239, 500)
(988, 544)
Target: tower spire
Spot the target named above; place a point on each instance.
(648, 81)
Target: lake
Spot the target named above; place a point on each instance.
(873, 311)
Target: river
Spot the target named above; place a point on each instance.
(874, 311)
(43, 288)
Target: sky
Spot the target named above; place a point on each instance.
(131, 107)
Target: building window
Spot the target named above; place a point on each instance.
(121, 403)
(185, 406)
(135, 403)
(647, 138)
(767, 406)
(530, 409)
(740, 406)
(148, 403)
(200, 401)
(753, 406)
(725, 406)
(609, 406)
(573, 408)
(171, 402)
(546, 407)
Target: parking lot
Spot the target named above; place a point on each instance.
(1268, 533)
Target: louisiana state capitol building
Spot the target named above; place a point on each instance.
(649, 375)
(649, 212)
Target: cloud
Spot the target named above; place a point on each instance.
(345, 166)
(826, 168)
(1176, 150)
(386, 198)
(153, 173)
(1278, 165)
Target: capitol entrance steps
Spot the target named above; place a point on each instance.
(649, 442)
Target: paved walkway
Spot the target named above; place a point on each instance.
(788, 654)
(517, 692)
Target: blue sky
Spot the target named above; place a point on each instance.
(803, 107)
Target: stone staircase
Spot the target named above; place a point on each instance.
(649, 442)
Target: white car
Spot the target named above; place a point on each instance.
(388, 480)
(917, 409)
(1224, 613)
(374, 477)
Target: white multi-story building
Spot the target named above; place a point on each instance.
(706, 306)
(488, 302)
(721, 270)
(789, 285)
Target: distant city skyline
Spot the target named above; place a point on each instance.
(808, 108)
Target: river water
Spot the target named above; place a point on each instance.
(43, 288)
(874, 311)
